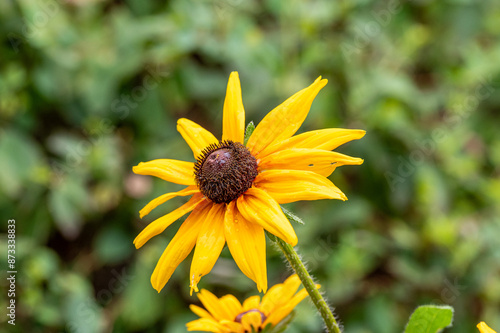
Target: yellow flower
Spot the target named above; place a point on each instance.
(236, 189)
(483, 328)
(228, 315)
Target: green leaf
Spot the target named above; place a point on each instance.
(291, 216)
(430, 319)
(248, 132)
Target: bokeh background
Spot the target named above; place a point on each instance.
(90, 88)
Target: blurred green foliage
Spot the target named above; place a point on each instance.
(90, 88)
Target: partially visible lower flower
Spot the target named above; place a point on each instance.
(228, 315)
(483, 328)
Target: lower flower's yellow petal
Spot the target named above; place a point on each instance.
(157, 226)
(165, 197)
(294, 185)
(320, 161)
(178, 172)
(195, 136)
(209, 245)
(280, 294)
(326, 139)
(247, 243)
(231, 304)
(233, 123)
(200, 311)
(280, 313)
(483, 328)
(207, 325)
(233, 326)
(251, 319)
(214, 306)
(256, 206)
(284, 120)
(251, 302)
(178, 248)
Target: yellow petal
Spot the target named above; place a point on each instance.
(326, 139)
(196, 136)
(247, 243)
(209, 245)
(320, 161)
(281, 312)
(200, 311)
(294, 185)
(178, 248)
(280, 294)
(251, 303)
(232, 305)
(178, 172)
(257, 206)
(214, 306)
(206, 325)
(233, 326)
(157, 226)
(233, 123)
(251, 319)
(483, 328)
(165, 197)
(284, 120)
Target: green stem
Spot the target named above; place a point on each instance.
(318, 300)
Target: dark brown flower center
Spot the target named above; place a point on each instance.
(240, 316)
(224, 171)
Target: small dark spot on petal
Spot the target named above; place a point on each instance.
(311, 165)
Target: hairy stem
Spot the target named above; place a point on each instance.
(318, 300)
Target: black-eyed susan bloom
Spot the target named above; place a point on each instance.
(228, 315)
(483, 328)
(236, 189)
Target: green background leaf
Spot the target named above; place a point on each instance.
(430, 319)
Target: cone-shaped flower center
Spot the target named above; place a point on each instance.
(224, 171)
(240, 316)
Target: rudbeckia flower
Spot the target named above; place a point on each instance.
(228, 315)
(483, 328)
(236, 189)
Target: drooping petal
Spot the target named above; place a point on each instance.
(326, 139)
(196, 136)
(200, 311)
(206, 325)
(294, 185)
(320, 161)
(214, 306)
(165, 197)
(251, 303)
(284, 120)
(233, 123)
(209, 245)
(178, 248)
(247, 243)
(178, 172)
(157, 226)
(255, 205)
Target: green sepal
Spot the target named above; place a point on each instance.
(248, 132)
(291, 216)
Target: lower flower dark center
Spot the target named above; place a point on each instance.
(240, 316)
(224, 171)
